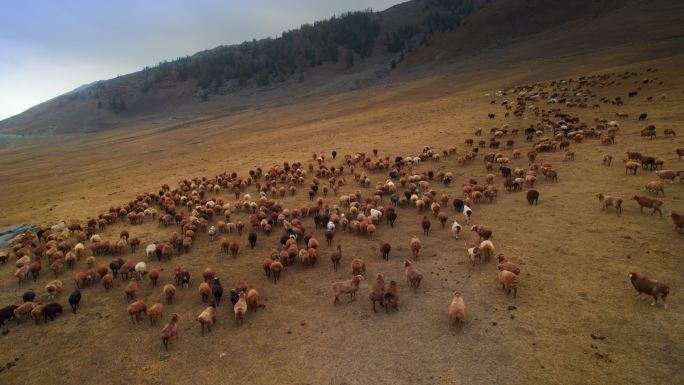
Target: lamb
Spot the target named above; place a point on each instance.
(484, 232)
(487, 248)
(169, 291)
(505, 265)
(170, 330)
(385, 249)
(51, 311)
(456, 229)
(509, 280)
(240, 309)
(425, 224)
(457, 312)
(413, 276)
(377, 292)
(655, 289)
(207, 317)
(75, 300)
(649, 203)
(391, 297)
(350, 286)
(610, 201)
(678, 220)
(155, 312)
(358, 266)
(415, 246)
(204, 291)
(135, 309)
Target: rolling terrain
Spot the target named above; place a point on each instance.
(576, 318)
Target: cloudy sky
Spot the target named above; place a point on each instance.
(50, 47)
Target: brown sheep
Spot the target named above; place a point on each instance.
(254, 299)
(336, 257)
(23, 310)
(107, 281)
(169, 291)
(170, 330)
(154, 277)
(457, 312)
(204, 291)
(484, 232)
(509, 280)
(667, 175)
(415, 246)
(504, 264)
(350, 286)
(155, 312)
(391, 297)
(610, 201)
(385, 249)
(649, 203)
(651, 287)
(240, 309)
(655, 187)
(135, 309)
(678, 220)
(358, 266)
(131, 289)
(413, 276)
(276, 268)
(377, 292)
(425, 224)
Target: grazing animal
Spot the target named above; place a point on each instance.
(377, 292)
(358, 266)
(391, 297)
(240, 308)
(75, 300)
(350, 286)
(655, 289)
(413, 276)
(170, 330)
(648, 203)
(509, 280)
(457, 312)
(207, 317)
(51, 311)
(533, 197)
(610, 201)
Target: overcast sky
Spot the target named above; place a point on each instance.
(49, 47)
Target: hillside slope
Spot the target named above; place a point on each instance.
(492, 34)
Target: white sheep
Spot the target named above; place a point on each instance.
(141, 270)
(376, 213)
(456, 229)
(151, 250)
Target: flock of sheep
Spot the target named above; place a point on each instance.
(199, 208)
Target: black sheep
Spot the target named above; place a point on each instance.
(217, 290)
(29, 296)
(51, 310)
(252, 239)
(7, 313)
(234, 296)
(329, 234)
(533, 197)
(75, 300)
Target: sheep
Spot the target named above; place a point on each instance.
(503, 264)
(7, 313)
(350, 286)
(377, 292)
(415, 246)
(23, 310)
(358, 266)
(22, 274)
(51, 311)
(649, 203)
(153, 276)
(473, 252)
(655, 289)
(107, 281)
(217, 290)
(533, 197)
(413, 275)
(131, 289)
(484, 232)
(252, 238)
(212, 233)
(610, 201)
(276, 268)
(208, 274)
(487, 248)
(75, 300)
(467, 213)
(53, 288)
(151, 251)
(170, 330)
(607, 159)
(169, 291)
(667, 175)
(425, 224)
(135, 309)
(28, 296)
(631, 166)
(385, 249)
(240, 309)
(37, 312)
(204, 291)
(457, 312)
(509, 280)
(336, 257)
(207, 318)
(254, 299)
(140, 270)
(155, 312)
(391, 297)
(655, 187)
(677, 219)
